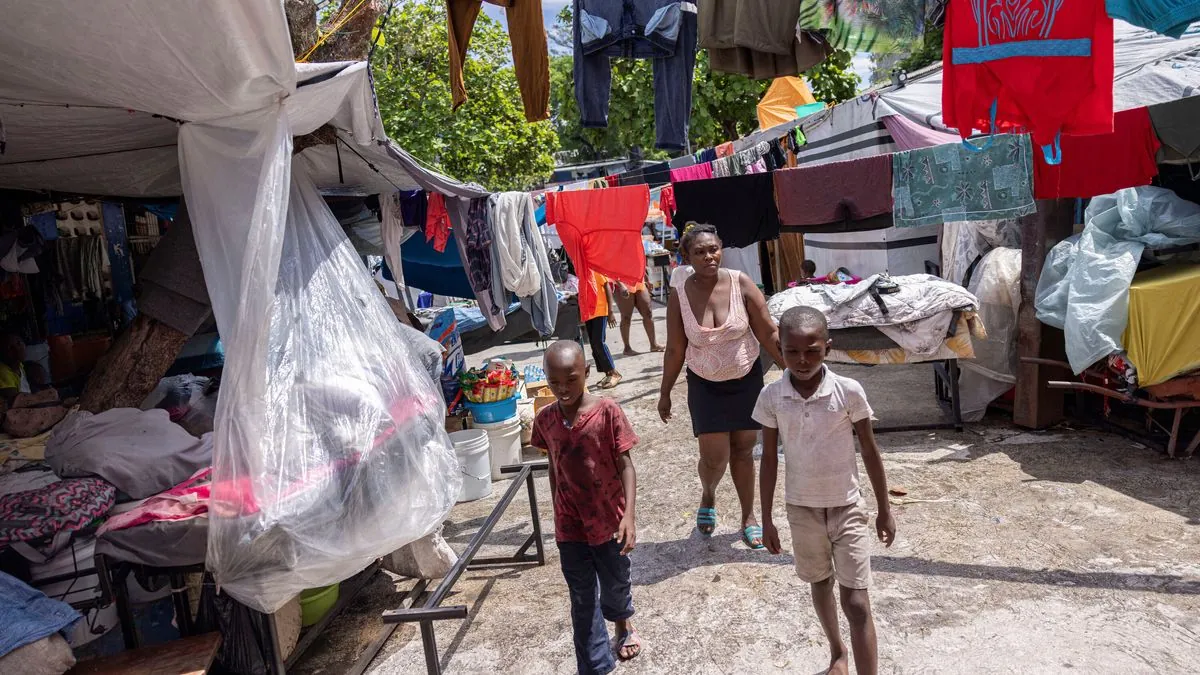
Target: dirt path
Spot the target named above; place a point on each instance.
(1066, 551)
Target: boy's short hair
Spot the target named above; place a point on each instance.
(564, 351)
(802, 318)
(808, 267)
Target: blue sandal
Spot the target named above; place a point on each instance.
(706, 520)
(752, 533)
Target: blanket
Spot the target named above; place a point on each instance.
(27, 615)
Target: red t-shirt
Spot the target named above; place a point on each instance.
(589, 500)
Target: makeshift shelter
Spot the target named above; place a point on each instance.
(1150, 68)
(202, 100)
(779, 104)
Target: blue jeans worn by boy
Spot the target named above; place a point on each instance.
(599, 583)
(662, 30)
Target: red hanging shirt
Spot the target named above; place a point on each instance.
(1099, 165)
(437, 222)
(602, 232)
(1047, 68)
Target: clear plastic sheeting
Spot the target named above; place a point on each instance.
(330, 449)
(996, 283)
(1084, 288)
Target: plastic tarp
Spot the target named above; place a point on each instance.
(1163, 336)
(779, 104)
(996, 283)
(439, 273)
(1084, 288)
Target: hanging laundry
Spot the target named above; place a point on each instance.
(742, 163)
(657, 174)
(437, 222)
(837, 193)
(521, 254)
(950, 183)
(867, 25)
(392, 227)
(758, 38)
(1101, 164)
(666, 204)
(1166, 18)
(1175, 124)
(695, 172)
(613, 180)
(742, 208)
(724, 149)
(1009, 67)
(531, 58)
(661, 30)
(908, 135)
(474, 240)
(602, 232)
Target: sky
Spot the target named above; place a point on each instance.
(550, 9)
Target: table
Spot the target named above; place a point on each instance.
(188, 656)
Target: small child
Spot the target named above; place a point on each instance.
(593, 486)
(817, 413)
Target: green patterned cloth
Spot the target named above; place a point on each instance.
(951, 183)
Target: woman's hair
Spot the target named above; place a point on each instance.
(693, 230)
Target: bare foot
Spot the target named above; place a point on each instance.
(630, 352)
(839, 664)
(657, 348)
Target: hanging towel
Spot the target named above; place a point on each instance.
(949, 183)
(837, 192)
(695, 172)
(519, 270)
(602, 232)
(908, 135)
(1008, 66)
(1101, 164)
(742, 208)
(437, 222)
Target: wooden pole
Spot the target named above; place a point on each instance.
(1038, 406)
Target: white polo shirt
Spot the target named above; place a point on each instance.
(817, 433)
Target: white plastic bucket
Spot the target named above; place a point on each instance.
(505, 439)
(471, 449)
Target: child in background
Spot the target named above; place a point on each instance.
(817, 413)
(593, 487)
(808, 273)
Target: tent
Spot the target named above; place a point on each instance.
(201, 99)
(1150, 68)
(779, 104)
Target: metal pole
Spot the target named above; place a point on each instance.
(429, 640)
(537, 521)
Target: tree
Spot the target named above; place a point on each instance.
(487, 140)
(833, 80)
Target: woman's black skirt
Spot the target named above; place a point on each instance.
(721, 407)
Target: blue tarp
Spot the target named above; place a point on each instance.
(27, 615)
(439, 273)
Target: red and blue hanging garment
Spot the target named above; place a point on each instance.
(1041, 66)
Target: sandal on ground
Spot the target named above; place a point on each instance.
(609, 382)
(629, 642)
(706, 520)
(752, 535)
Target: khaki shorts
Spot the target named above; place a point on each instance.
(831, 541)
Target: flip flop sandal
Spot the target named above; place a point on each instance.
(706, 517)
(624, 640)
(609, 383)
(751, 533)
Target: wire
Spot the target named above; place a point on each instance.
(334, 29)
(379, 34)
(367, 162)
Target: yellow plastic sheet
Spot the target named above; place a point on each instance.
(778, 105)
(1163, 335)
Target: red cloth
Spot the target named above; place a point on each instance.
(613, 180)
(602, 232)
(1099, 165)
(666, 204)
(1044, 93)
(589, 500)
(437, 222)
(183, 502)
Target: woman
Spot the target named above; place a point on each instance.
(637, 298)
(716, 320)
(603, 318)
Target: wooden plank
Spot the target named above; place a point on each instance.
(189, 656)
(1036, 405)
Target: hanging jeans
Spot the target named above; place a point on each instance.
(597, 332)
(662, 30)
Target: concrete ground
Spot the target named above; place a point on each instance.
(1070, 550)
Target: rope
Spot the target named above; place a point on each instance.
(336, 27)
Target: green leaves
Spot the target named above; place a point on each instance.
(834, 80)
(487, 140)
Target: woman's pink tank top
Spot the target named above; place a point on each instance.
(726, 352)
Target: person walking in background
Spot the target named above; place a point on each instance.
(637, 298)
(605, 317)
(716, 320)
(593, 487)
(816, 414)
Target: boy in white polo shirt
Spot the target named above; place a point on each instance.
(816, 412)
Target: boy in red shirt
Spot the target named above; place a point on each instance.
(593, 485)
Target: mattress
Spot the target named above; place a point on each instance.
(858, 345)
(1164, 320)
